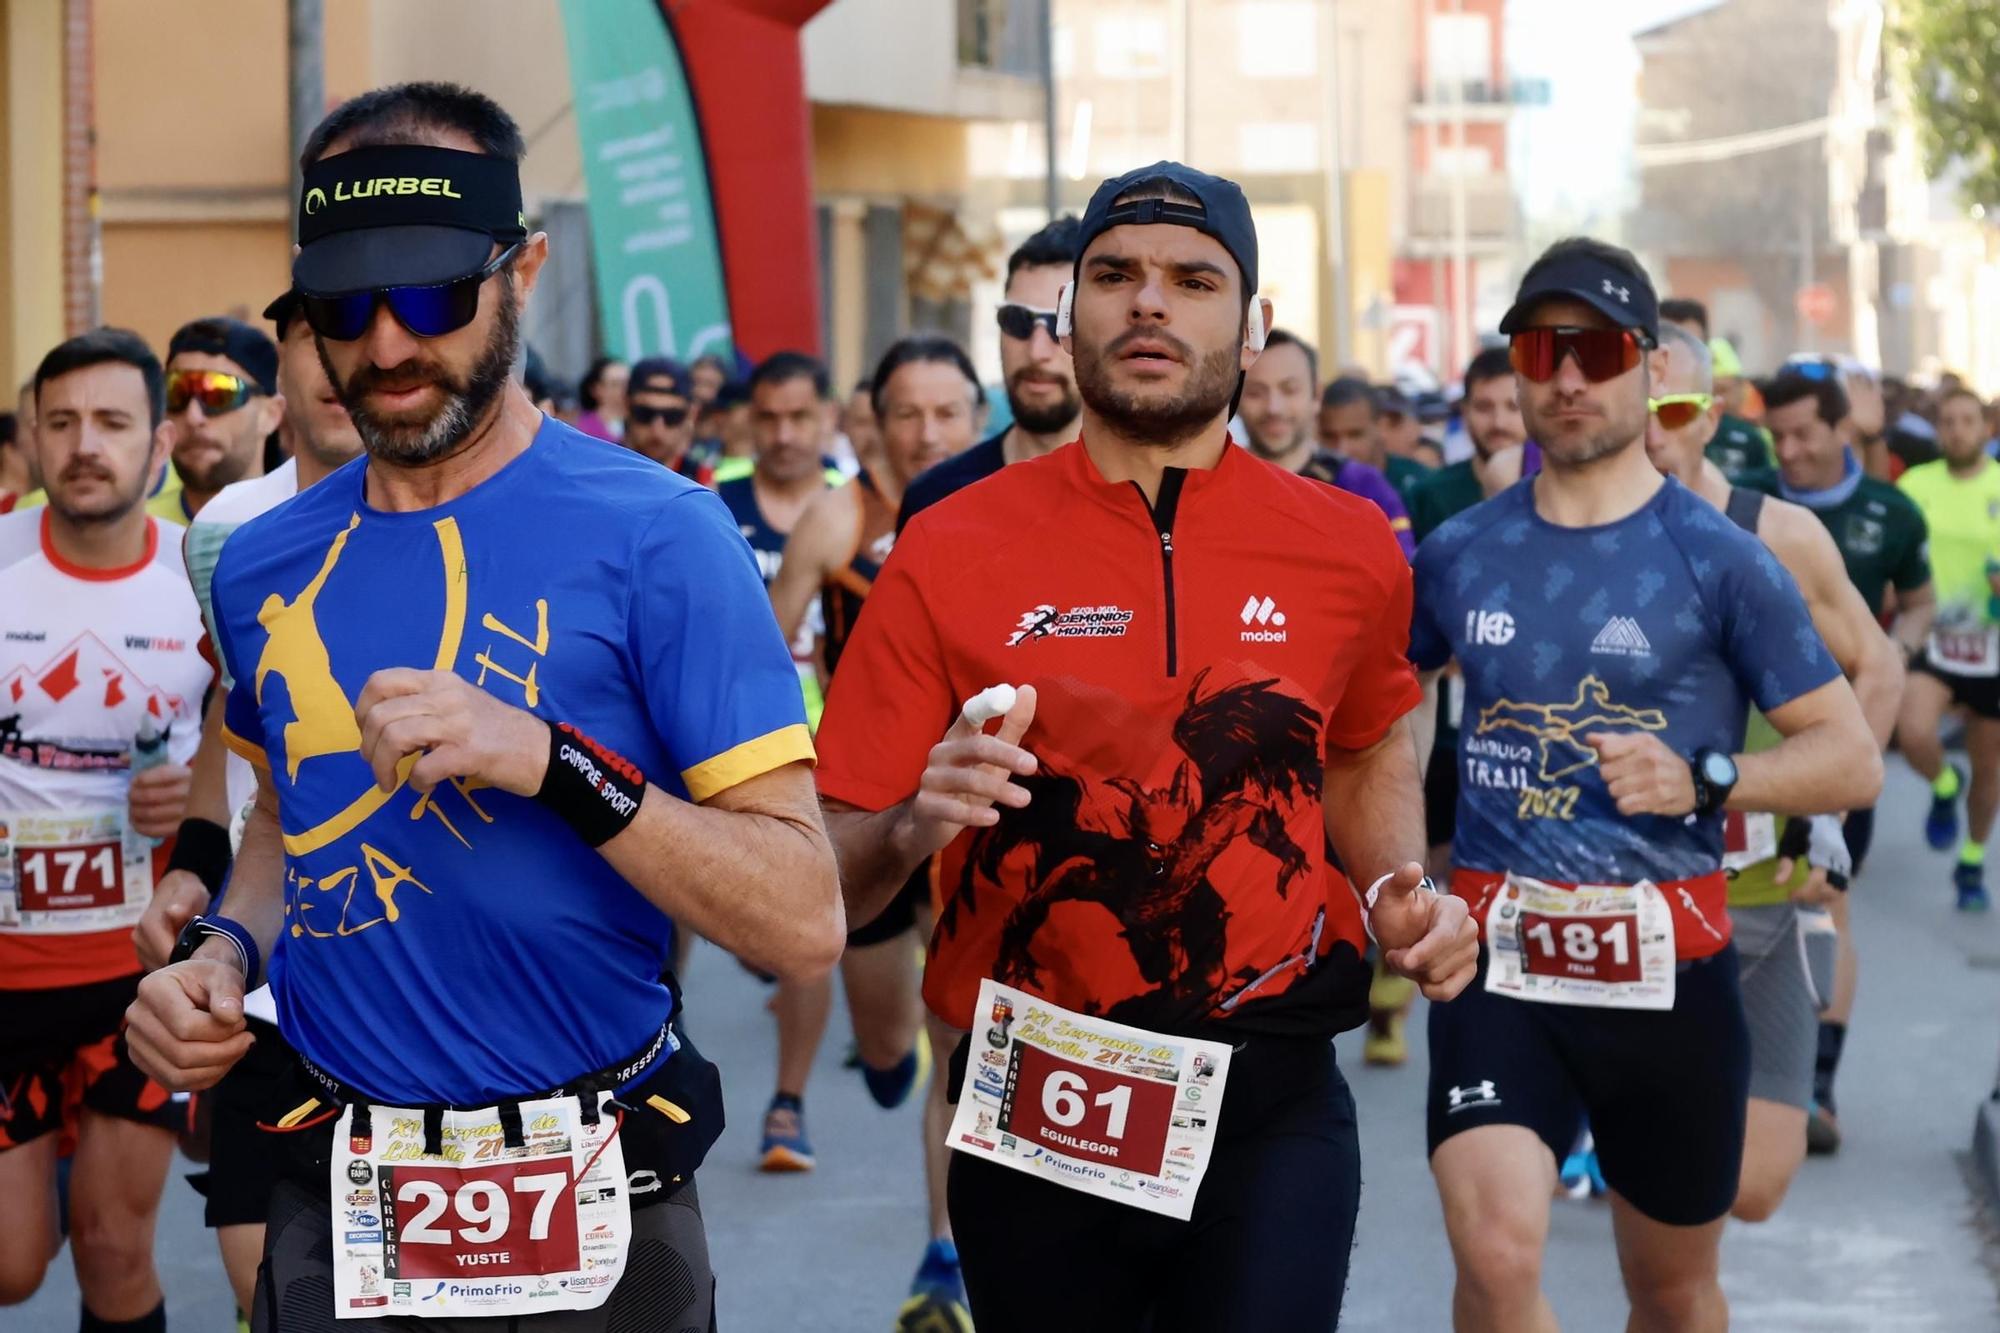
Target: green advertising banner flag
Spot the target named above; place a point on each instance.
(660, 287)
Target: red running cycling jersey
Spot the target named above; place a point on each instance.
(1194, 660)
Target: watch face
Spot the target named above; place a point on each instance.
(1718, 769)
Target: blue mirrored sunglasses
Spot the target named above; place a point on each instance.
(427, 312)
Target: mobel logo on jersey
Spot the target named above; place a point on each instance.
(1262, 621)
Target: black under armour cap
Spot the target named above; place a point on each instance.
(1222, 213)
(1613, 292)
(660, 374)
(403, 215)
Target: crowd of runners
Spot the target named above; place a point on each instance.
(380, 725)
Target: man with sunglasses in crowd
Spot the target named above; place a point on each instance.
(1863, 430)
(659, 415)
(1786, 876)
(101, 645)
(516, 707)
(1035, 371)
(1884, 544)
(319, 437)
(1959, 497)
(223, 402)
(1740, 448)
(1613, 630)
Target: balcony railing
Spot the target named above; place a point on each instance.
(1479, 94)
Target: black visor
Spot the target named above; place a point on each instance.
(402, 216)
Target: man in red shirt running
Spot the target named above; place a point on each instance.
(1134, 869)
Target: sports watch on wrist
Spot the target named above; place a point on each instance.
(1714, 778)
(218, 927)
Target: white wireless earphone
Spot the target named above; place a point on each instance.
(1253, 334)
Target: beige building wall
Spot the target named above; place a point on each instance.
(191, 160)
(194, 142)
(888, 154)
(511, 50)
(31, 248)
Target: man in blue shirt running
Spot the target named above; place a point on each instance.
(518, 705)
(1613, 630)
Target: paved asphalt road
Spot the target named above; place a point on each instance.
(1887, 1236)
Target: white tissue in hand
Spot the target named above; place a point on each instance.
(989, 703)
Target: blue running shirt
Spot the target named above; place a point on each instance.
(1671, 620)
(467, 944)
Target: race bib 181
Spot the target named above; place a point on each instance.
(1606, 946)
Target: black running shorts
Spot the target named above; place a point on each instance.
(1267, 1247)
(62, 1050)
(1860, 831)
(1664, 1090)
(243, 1168)
(1978, 695)
(899, 916)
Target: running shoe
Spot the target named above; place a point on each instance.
(1941, 824)
(1822, 1131)
(937, 1294)
(784, 1146)
(1582, 1177)
(891, 1087)
(1385, 1045)
(1970, 881)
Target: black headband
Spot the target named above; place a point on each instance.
(412, 185)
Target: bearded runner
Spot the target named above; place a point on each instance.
(452, 708)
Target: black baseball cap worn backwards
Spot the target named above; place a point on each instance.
(1223, 212)
(404, 215)
(1625, 300)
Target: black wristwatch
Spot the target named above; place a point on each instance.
(1714, 778)
(218, 927)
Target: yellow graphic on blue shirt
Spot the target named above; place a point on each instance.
(353, 898)
(323, 721)
(1560, 731)
(322, 714)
